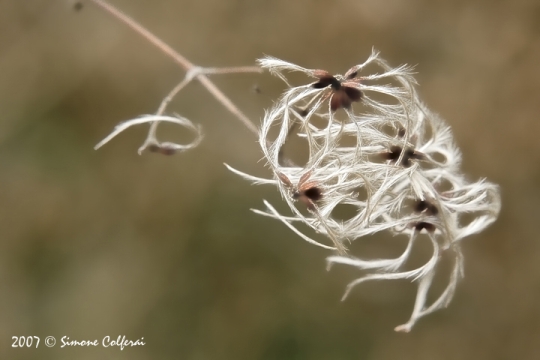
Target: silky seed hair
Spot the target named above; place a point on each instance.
(411, 174)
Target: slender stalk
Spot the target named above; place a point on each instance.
(153, 39)
(184, 63)
(231, 70)
(171, 95)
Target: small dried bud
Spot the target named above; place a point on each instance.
(344, 92)
(162, 149)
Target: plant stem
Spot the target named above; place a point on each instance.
(182, 61)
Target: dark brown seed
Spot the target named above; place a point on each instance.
(410, 154)
(326, 81)
(313, 194)
(353, 93)
(419, 226)
(321, 84)
(345, 92)
(339, 100)
(393, 154)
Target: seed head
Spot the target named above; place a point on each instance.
(419, 156)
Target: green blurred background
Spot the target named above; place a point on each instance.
(96, 243)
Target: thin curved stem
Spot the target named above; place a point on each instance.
(183, 62)
(153, 39)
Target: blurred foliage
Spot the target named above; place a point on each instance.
(165, 248)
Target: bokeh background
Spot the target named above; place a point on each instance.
(96, 243)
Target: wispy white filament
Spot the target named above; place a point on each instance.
(405, 159)
(153, 119)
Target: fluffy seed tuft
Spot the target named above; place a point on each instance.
(371, 104)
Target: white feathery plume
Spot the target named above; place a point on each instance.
(152, 142)
(405, 159)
